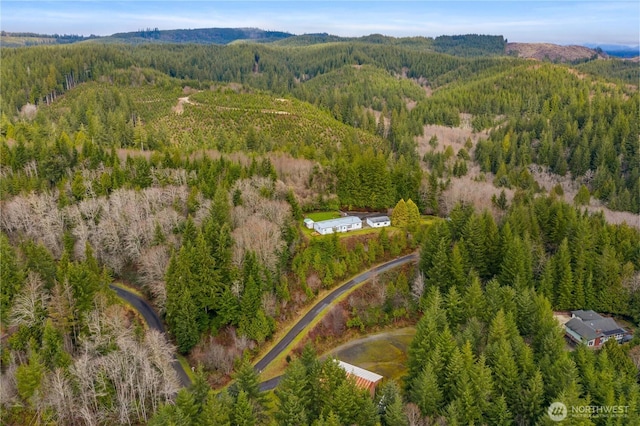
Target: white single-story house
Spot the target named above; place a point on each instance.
(378, 221)
(308, 223)
(341, 224)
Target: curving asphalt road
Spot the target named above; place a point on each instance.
(153, 321)
(319, 306)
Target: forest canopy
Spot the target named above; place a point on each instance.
(183, 172)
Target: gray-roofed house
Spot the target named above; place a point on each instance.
(378, 221)
(593, 329)
(341, 224)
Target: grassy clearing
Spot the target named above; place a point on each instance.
(383, 353)
(365, 231)
(186, 367)
(341, 235)
(318, 216)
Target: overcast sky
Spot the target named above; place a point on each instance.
(562, 22)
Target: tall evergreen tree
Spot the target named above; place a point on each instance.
(184, 322)
(505, 371)
(439, 276)
(426, 392)
(10, 276)
(413, 215)
(474, 304)
(457, 268)
(247, 381)
(218, 410)
(454, 308)
(390, 405)
(312, 388)
(291, 394)
(400, 214)
(243, 414)
(499, 413)
(533, 398)
(475, 246)
(564, 277)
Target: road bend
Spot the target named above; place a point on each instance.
(318, 308)
(153, 321)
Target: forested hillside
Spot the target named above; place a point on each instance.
(183, 172)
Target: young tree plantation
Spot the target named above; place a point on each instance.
(182, 173)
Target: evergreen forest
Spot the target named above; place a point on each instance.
(180, 171)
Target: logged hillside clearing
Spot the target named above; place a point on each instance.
(553, 52)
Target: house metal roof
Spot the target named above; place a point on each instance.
(582, 329)
(364, 378)
(606, 325)
(587, 315)
(379, 219)
(597, 326)
(341, 221)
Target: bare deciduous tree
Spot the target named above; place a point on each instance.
(417, 287)
(60, 396)
(35, 216)
(269, 304)
(139, 372)
(414, 416)
(335, 320)
(29, 306)
(8, 389)
(220, 357)
(153, 265)
(261, 237)
(314, 282)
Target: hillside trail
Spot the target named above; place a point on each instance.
(179, 108)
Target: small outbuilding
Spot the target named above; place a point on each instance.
(378, 221)
(364, 379)
(308, 223)
(341, 224)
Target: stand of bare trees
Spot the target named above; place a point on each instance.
(259, 221)
(116, 375)
(35, 216)
(119, 227)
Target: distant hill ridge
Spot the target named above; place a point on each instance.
(457, 45)
(202, 35)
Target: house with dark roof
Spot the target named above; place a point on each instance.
(593, 329)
